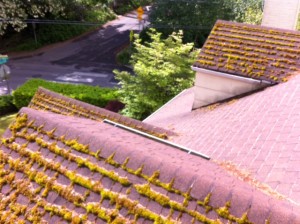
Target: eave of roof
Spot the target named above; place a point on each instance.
(258, 52)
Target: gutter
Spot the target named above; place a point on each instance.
(234, 77)
(182, 148)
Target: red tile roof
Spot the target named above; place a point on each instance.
(258, 52)
(56, 168)
(259, 133)
(50, 101)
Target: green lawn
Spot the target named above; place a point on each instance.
(5, 121)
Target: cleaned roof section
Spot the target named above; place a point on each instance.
(57, 168)
(50, 101)
(259, 133)
(257, 52)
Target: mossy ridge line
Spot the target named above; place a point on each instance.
(67, 155)
(83, 162)
(66, 105)
(165, 201)
(40, 106)
(67, 109)
(19, 123)
(81, 111)
(138, 172)
(50, 99)
(109, 215)
(6, 177)
(5, 201)
(18, 208)
(73, 143)
(259, 30)
(23, 187)
(257, 34)
(234, 41)
(68, 215)
(254, 39)
(9, 215)
(41, 178)
(37, 158)
(118, 199)
(59, 102)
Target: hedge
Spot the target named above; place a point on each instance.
(90, 94)
(6, 105)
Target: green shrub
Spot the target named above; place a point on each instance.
(6, 105)
(124, 56)
(52, 33)
(90, 94)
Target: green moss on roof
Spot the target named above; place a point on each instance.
(251, 51)
(18, 155)
(56, 103)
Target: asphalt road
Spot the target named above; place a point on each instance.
(89, 59)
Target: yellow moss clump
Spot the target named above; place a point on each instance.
(19, 123)
(146, 191)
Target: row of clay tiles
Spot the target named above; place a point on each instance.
(142, 189)
(199, 184)
(217, 55)
(255, 30)
(57, 103)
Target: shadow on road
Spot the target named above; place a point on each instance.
(99, 50)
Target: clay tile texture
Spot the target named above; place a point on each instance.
(50, 101)
(258, 52)
(64, 169)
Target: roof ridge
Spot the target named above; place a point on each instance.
(45, 99)
(258, 26)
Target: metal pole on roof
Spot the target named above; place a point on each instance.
(182, 148)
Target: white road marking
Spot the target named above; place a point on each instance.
(75, 79)
(80, 77)
(99, 75)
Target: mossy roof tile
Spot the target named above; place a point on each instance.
(257, 52)
(158, 184)
(50, 101)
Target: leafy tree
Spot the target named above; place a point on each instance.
(197, 17)
(162, 70)
(13, 12)
(247, 11)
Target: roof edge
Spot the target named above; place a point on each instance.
(166, 104)
(230, 76)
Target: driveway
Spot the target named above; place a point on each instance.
(89, 59)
